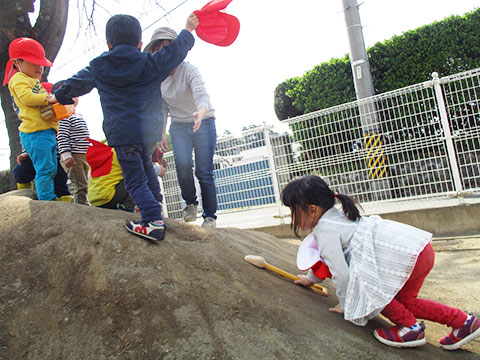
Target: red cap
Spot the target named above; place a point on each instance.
(99, 157)
(47, 86)
(26, 49)
(215, 26)
(321, 270)
(308, 257)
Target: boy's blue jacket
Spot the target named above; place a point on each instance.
(128, 82)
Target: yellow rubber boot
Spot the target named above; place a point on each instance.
(28, 185)
(65, 198)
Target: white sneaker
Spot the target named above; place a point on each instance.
(209, 222)
(190, 213)
(152, 230)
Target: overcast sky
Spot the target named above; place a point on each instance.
(278, 39)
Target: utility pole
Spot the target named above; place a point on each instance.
(362, 79)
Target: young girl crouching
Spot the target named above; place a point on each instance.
(377, 266)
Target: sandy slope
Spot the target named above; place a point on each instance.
(75, 285)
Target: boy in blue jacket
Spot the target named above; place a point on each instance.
(128, 82)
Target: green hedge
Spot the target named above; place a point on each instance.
(447, 47)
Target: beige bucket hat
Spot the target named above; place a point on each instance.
(163, 33)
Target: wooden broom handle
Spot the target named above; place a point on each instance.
(317, 288)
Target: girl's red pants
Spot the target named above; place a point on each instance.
(406, 307)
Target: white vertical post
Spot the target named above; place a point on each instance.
(164, 202)
(457, 182)
(271, 161)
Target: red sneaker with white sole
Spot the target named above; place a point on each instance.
(461, 336)
(400, 336)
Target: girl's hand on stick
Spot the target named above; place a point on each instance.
(302, 280)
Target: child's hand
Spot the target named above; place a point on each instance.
(192, 22)
(69, 162)
(47, 113)
(51, 98)
(302, 280)
(21, 157)
(337, 309)
(159, 170)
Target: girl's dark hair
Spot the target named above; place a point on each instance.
(123, 29)
(308, 190)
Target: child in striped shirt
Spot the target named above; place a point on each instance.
(72, 147)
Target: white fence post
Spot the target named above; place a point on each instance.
(271, 161)
(164, 202)
(448, 134)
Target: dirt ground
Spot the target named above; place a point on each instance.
(74, 284)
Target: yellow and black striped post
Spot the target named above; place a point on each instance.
(376, 161)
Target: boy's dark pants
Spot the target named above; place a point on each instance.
(141, 181)
(25, 173)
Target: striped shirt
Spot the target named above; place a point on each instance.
(72, 134)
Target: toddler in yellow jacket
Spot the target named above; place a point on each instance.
(38, 136)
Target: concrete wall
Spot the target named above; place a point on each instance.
(445, 221)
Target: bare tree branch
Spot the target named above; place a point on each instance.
(50, 27)
(49, 30)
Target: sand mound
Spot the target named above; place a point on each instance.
(74, 284)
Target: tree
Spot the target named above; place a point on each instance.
(49, 30)
(283, 105)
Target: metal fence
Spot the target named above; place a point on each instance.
(416, 143)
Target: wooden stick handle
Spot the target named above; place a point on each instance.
(320, 289)
(317, 288)
(280, 272)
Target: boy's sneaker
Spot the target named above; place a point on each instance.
(190, 213)
(209, 222)
(458, 337)
(152, 230)
(400, 336)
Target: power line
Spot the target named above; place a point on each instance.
(94, 46)
(145, 13)
(168, 13)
